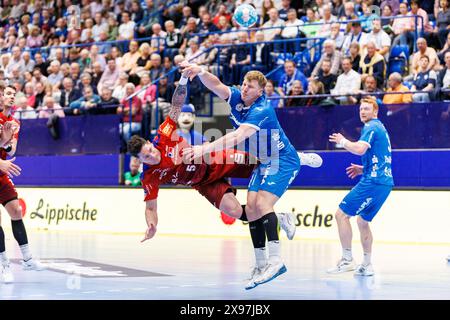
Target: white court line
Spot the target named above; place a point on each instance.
(10, 297)
(63, 293)
(114, 290)
(210, 284)
(186, 285)
(162, 287)
(87, 292)
(35, 295)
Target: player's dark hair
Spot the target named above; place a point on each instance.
(135, 145)
(11, 87)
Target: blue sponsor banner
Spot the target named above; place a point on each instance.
(410, 126)
(77, 135)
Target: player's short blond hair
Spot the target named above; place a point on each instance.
(258, 76)
(371, 100)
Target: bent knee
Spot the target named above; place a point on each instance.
(340, 215)
(362, 224)
(15, 213)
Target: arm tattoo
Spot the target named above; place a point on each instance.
(178, 98)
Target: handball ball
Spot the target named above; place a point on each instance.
(227, 219)
(245, 15)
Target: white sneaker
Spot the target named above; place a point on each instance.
(343, 265)
(256, 272)
(287, 223)
(448, 258)
(6, 274)
(32, 264)
(363, 270)
(271, 271)
(312, 160)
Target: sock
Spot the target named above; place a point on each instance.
(366, 259)
(259, 242)
(244, 215)
(26, 253)
(20, 234)
(347, 254)
(270, 222)
(261, 258)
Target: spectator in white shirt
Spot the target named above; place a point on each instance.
(274, 21)
(119, 89)
(380, 38)
(24, 111)
(356, 35)
(158, 37)
(126, 29)
(348, 82)
(50, 107)
(325, 29)
(292, 26)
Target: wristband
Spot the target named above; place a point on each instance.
(8, 148)
(343, 142)
(183, 80)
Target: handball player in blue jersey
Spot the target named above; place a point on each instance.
(367, 197)
(256, 126)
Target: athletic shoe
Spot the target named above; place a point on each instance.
(448, 258)
(6, 274)
(271, 271)
(312, 160)
(287, 223)
(32, 264)
(256, 272)
(343, 265)
(364, 270)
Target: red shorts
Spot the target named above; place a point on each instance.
(216, 184)
(7, 190)
(215, 191)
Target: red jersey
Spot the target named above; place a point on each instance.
(172, 170)
(3, 120)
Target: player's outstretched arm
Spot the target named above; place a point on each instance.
(228, 141)
(178, 98)
(208, 79)
(358, 147)
(151, 216)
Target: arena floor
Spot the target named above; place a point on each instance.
(107, 266)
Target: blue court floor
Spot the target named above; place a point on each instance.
(107, 266)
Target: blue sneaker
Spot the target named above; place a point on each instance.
(271, 271)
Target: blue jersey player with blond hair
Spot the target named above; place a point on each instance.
(256, 125)
(367, 197)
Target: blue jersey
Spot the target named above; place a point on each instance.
(270, 139)
(378, 159)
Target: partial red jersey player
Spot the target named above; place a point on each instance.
(8, 195)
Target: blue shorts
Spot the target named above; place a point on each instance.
(276, 176)
(365, 200)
